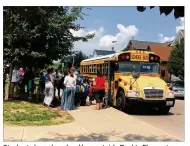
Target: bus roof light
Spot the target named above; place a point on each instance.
(127, 57)
(122, 57)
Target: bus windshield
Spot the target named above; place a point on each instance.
(142, 67)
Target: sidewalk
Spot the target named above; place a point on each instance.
(91, 125)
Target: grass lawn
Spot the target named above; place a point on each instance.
(22, 113)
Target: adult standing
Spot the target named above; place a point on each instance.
(41, 82)
(69, 93)
(73, 70)
(57, 79)
(99, 89)
(49, 88)
(21, 72)
(14, 83)
(62, 86)
(29, 80)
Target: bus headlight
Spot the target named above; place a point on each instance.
(170, 95)
(133, 93)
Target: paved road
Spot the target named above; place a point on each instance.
(172, 123)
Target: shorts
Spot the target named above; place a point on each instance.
(30, 86)
(99, 94)
(105, 95)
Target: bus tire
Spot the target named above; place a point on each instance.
(120, 102)
(164, 110)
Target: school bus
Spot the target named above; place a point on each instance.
(133, 78)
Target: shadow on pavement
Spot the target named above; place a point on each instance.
(106, 137)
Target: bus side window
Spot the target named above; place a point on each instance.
(90, 69)
(87, 68)
(106, 69)
(93, 68)
(100, 67)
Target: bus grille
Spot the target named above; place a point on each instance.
(153, 93)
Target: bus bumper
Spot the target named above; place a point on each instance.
(169, 102)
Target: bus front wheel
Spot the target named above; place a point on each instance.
(120, 102)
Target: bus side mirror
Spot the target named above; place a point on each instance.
(116, 67)
(163, 73)
(136, 75)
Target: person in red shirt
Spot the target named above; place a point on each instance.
(99, 89)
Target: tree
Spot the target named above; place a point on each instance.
(176, 60)
(79, 56)
(178, 10)
(35, 36)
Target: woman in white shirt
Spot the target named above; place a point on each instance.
(69, 91)
(14, 83)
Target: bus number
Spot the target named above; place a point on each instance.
(145, 57)
(138, 57)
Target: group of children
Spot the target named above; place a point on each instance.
(85, 90)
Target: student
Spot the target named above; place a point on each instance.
(85, 91)
(91, 93)
(77, 93)
(105, 100)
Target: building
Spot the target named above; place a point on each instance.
(143, 45)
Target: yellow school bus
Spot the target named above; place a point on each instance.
(133, 78)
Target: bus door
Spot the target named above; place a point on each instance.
(111, 67)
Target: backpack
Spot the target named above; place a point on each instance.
(47, 78)
(86, 89)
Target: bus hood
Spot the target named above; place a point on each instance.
(145, 81)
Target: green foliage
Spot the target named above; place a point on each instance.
(176, 60)
(77, 59)
(178, 10)
(38, 35)
(55, 65)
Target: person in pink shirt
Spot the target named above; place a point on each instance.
(21, 73)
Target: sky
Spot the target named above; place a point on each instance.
(121, 24)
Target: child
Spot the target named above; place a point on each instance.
(85, 91)
(90, 94)
(77, 94)
(105, 100)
